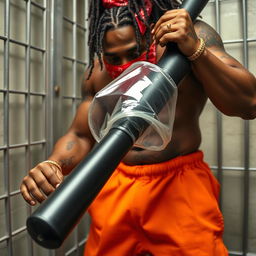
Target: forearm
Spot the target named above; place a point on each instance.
(231, 89)
(70, 150)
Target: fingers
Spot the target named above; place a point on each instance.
(176, 26)
(52, 174)
(31, 192)
(40, 182)
(167, 17)
(167, 33)
(26, 195)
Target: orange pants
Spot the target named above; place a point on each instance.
(165, 209)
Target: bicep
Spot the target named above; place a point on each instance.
(80, 124)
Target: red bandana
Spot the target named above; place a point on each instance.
(148, 5)
(115, 70)
(112, 3)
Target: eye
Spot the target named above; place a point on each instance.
(134, 55)
(114, 60)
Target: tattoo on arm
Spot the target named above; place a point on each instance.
(70, 145)
(67, 162)
(192, 33)
(211, 37)
(214, 42)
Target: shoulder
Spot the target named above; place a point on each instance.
(215, 44)
(209, 34)
(98, 79)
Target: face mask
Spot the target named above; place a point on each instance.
(115, 70)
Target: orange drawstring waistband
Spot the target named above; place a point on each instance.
(161, 168)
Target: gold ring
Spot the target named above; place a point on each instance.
(169, 26)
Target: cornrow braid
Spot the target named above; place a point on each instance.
(102, 20)
(111, 19)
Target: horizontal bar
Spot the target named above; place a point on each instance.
(80, 244)
(18, 42)
(71, 98)
(18, 231)
(80, 26)
(26, 45)
(23, 92)
(3, 37)
(37, 48)
(38, 5)
(234, 253)
(14, 193)
(248, 40)
(34, 143)
(4, 238)
(74, 60)
(23, 44)
(4, 196)
(68, 20)
(230, 168)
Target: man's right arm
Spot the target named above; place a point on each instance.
(69, 150)
(76, 143)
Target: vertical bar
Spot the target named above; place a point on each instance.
(6, 128)
(74, 56)
(46, 76)
(48, 71)
(27, 103)
(51, 81)
(86, 8)
(74, 73)
(56, 68)
(246, 141)
(75, 83)
(219, 120)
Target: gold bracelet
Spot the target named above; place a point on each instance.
(199, 51)
(54, 163)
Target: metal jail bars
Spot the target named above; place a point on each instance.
(43, 54)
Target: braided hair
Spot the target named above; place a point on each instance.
(102, 20)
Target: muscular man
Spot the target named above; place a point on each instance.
(156, 202)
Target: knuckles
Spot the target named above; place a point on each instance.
(183, 13)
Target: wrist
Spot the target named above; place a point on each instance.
(199, 51)
(54, 163)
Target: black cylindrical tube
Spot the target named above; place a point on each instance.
(54, 218)
(52, 221)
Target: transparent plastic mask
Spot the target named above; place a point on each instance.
(122, 99)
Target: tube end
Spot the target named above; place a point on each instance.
(42, 233)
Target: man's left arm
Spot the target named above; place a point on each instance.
(230, 86)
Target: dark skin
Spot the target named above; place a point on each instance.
(215, 75)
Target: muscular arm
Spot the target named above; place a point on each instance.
(69, 150)
(231, 88)
(76, 143)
